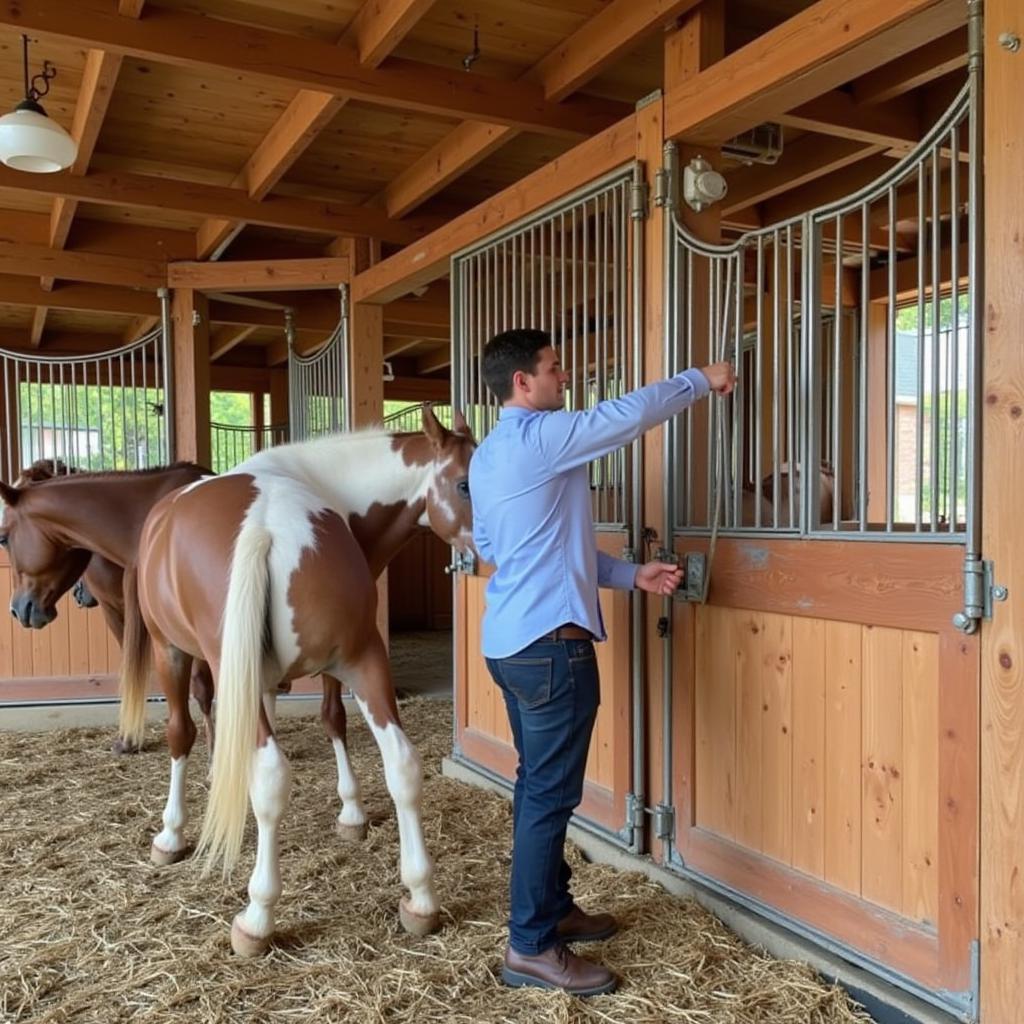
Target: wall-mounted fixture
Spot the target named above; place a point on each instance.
(388, 372)
(29, 140)
(474, 55)
(702, 184)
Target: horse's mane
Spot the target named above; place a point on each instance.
(43, 471)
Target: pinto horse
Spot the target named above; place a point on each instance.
(268, 573)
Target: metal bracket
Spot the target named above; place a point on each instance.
(646, 101)
(628, 554)
(638, 195)
(695, 567)
(462, 561)
(980, 593)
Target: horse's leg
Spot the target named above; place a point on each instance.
(115, 623)
(372, 685)
(202, 693)
(269, 788)
(173, 668)
(351, 823)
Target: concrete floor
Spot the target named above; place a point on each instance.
(421, 663)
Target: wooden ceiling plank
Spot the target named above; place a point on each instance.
(149, 192)
(139, 326)
(434, 361)
(188, 40)
(826, 45)
(427, 260)
(261, 275)
(581, 57)
(395, 346)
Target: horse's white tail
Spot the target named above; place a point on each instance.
(239, 693)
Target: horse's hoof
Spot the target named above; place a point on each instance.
(350, 833)
(122, 746)
(164, 858)
(417, 924)
(245, 944)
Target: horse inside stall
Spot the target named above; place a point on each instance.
(46, 563)
(751, 499)
(260, 572)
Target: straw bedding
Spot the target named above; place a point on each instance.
(91, 931)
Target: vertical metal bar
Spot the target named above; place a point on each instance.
(865, 308)
(759, 382)
(811, 317)
(776, 382)
(792, 387)
(936, 242)
(813, 481)
(954, 354)
(919, 423)
(890, 446)
(685, 478)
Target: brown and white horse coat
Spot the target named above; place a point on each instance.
(260, 572)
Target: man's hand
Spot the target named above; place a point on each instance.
(721, 377)
(658, 578)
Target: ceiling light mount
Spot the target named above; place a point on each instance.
(29, 140)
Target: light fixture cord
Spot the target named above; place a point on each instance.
(34, 91)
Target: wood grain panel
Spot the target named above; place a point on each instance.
(809, 718)
(777, 737)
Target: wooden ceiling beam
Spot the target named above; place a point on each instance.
(896, 125)
(380, 25)
(188, 40)
(152, 193)
(35, 336)
(826, 45)
(428, 260)
(225, 339)
(588, 51)
(139, 326)
(17, 291)
(309, 113)
(396, 346)
(434, 361)
(415, 332)
(913, 69)
(95, 268)
(809, 158)
(261, 275)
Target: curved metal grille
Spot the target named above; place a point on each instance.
(109, 411)
(231, 444)
(318, 384)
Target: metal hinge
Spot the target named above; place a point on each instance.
(638, 200)
(661, 187)
(980, 592)
(695, 567)
(664, 821)
(634, 818)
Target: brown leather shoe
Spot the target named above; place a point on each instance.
(557, 968)
(579, 926)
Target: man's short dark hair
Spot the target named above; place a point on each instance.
(508, 352)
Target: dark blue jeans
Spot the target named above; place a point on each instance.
(551, 692)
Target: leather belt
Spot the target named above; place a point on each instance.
(568, 633)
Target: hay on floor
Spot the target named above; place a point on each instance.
(91, 931)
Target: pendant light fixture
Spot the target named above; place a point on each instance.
(29, 140)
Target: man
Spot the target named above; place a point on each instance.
(532, 519)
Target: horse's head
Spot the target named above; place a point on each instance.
(43, 469)
(449, 511)
(43, 568)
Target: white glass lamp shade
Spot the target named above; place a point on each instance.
(31, 141)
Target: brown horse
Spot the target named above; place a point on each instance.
(55, 539)
(267, 572)
(750, 499)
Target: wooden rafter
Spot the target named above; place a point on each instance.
(97, 268)
(830, 43)
(377, 28)
(148, 192)
(918, 67)
(38, 326)
(225, 339)
(434, 361)
(261, 275)
(614, 31)
(139, 326)
(896, 125)
(187, 40)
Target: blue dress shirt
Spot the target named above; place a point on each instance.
(532, 512)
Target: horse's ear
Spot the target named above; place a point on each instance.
(433, 427)
(460, 426)
(9, 495)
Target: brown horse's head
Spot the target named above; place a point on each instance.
(449, 511)
(43, 568)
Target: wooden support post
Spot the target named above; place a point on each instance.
(698, 42)
(279, 397)
(191, 330)
(1002, 639)
(366, 359)
(878, 362)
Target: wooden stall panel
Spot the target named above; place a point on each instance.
(816, 746)
(74, 658)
